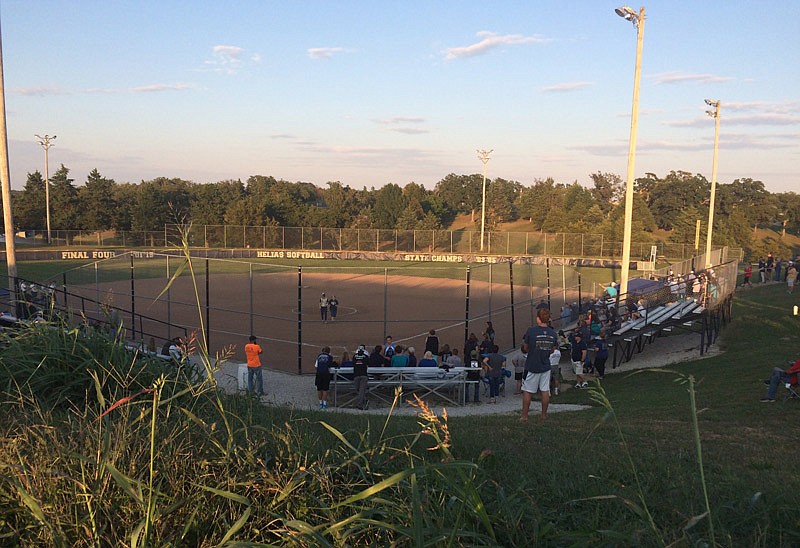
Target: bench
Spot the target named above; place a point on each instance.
(382, 382)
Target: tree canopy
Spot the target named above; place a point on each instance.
(673, 203)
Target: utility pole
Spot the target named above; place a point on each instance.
(5, 183)
(46, 144)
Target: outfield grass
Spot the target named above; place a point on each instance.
(169, 467)
(80, 272)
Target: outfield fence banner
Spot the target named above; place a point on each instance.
(433, 241)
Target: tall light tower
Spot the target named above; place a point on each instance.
(638, 21)
(714, 114)
(483, 155)
(5, 184)
(46, 143)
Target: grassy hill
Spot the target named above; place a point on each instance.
(97, 452)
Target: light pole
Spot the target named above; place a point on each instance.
(46, 144)
(638, 21)
(5, 185)
(714, 114)
(484, 157)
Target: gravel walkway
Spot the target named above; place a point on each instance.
(298, 392)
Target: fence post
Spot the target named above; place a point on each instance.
(299, 320)
(466, 315)
(580, 297)
(385, 303)
(97, 289)
(548, 282)
(513, 316)
(250, 266)
(208, 308)
(169, 306)
(133, 302)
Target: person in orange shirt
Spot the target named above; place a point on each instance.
(254, 374)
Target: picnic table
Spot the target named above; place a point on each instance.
(426, 382)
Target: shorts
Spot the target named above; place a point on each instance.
(536, 382)
(555, 371)
(790, 283)
(577, 367)
(519, 375)
(323, 381)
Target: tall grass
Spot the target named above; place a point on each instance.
(103, 447)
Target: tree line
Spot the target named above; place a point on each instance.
(672, 203)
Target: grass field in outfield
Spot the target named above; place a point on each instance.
(119, 269)
(178, 471)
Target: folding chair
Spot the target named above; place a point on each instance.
(792, 391)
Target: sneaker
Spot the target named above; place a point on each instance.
(767, 400)
(585, 385)
(321, 406)
(324, 405)
(766, 381)
(579, 385)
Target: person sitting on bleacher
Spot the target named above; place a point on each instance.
(427, 360)
(173, 349)
(454, 360)
(781, 376)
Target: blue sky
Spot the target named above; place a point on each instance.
(369, 93)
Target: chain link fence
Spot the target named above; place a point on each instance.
(367, 239)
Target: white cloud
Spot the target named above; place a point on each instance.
(228, 54)
(490, 41)
(567, 86)
(39, 91)
(403, 124)
(162, 87)
(324, 53)
(682, 77)
(230, 59)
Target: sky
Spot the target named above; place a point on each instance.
(375, 92)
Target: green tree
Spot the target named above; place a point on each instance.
(247, 211)
(64, 211)
(577, 202)
(210, 202)
(97, 204)
(608, 190)
(501, 200)
(534, 202)
(463, 193)
(341, 204)
(159, 202)
(28, 206)
(675, 193)
(684, 227)
(389, 205)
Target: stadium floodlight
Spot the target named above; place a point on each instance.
(483, 155)
(714, 114)
(628, 14)
(46, 143)
(638, 21)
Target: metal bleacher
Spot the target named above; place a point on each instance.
(631, 338)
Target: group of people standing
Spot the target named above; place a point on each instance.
(771, 269)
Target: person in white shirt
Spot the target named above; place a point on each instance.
(555, 370)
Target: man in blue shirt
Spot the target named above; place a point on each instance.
(541, 339)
